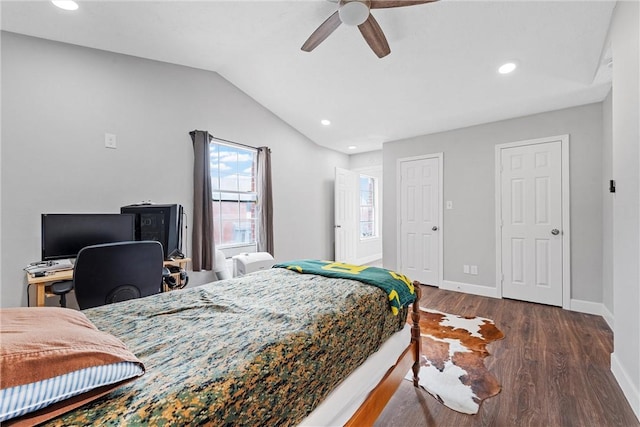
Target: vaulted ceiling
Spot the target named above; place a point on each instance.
(441, 73)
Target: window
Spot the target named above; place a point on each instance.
(368, 222)
(233, 183)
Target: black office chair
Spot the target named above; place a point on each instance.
(114, 272)
(61, 289)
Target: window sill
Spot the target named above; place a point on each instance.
(230, 251)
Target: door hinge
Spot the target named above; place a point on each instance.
(501, 277)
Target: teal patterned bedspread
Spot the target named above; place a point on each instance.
(263, 349)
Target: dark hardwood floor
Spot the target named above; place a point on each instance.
(553, 365)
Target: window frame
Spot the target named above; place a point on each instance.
(373, 206)
(236, 247)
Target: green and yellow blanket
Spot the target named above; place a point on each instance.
(397, 286)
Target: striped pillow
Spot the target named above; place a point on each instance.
(54, 360)
(20, 400)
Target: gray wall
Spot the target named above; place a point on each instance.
(366, 160)
(469, 182)
(625, 46)
(58, 102)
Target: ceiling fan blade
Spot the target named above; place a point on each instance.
(384, 4)
(322, 32)
(374, 36)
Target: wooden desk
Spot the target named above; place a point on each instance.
(41, 283)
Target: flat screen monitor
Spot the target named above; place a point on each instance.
(63, 235)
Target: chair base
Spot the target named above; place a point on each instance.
(61, 289)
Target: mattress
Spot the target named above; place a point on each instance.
(265, 348)
(345, 399)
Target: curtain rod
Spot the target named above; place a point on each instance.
(233, 142)
(227, 141)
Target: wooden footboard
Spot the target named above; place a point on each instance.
(375, 402)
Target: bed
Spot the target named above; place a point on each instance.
(269, 348)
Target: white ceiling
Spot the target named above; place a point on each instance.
(440, 75)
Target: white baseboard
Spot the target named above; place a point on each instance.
(369, 259)
(469, 288)
(587, 307)
(596, 308)
(627, 386)
(608, 316)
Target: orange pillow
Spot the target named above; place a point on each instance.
(41, 343)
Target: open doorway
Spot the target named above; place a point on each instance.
(358, 216)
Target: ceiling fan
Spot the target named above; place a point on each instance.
(357, 12)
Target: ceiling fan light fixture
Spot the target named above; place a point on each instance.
(65, 4)
(508, 67)
(353, 13)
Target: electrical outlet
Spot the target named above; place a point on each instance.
(110, 140)
(465, 269)
(474, 270)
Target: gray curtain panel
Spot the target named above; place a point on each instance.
(203, 245)
(264, 207)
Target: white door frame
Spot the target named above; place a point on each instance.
(440, 157)
(566, 228)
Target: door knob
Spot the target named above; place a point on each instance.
(555, 231)
(338, 226)
(434, 228)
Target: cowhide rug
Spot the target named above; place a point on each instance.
(452, 362)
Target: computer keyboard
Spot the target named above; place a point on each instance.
(57, 265)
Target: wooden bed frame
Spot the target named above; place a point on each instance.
(377, 399)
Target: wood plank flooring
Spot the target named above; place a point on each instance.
(553, 364)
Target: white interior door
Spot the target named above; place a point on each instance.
(346, 220)
(531, 232)
(419, 214)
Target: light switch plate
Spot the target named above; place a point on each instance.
(110, 140)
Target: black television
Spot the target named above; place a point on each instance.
(63, 235)
(161, 223)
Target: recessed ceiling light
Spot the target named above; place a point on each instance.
(65, 4)
(352, 147)
(325, 122)
(507, 68)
